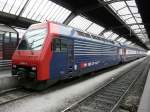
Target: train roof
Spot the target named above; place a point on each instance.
(64, 30)
(132, 47)
(68, 31)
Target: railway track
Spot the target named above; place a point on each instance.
(13, 94)
(108, 97)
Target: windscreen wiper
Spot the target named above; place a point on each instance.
(31, 46)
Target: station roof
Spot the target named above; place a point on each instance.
(4, 28)
(120, 20)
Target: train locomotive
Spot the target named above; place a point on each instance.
(49, 52)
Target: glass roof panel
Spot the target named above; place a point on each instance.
(64, 16)
(39, 10)
(95, 29)
(42, 10)
(52, 13)
(44, 13)
(141, 26)
(2, 4)
(134, 9)
(113, 37)
(134, 26)
(121, 39)
(118, 5)
(132, 44)
(55, 14)
(124, 11)
(128, 42)
(131, 3)
(107, 34)
(17, 5)
(137, 31)
(131, 21)
(137, 15)
(126, 17)
(128, 12)
(84, 24)
(29, 7)
(35, 8)
(144, 40)
(8, 5)
(139, 20)
(21, 5)
(61, 15)
(80, 23)
(12, 6)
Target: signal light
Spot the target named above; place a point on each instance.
(14, 66)
(33, 68)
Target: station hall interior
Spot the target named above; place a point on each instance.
(74, 56)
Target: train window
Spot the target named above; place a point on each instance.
(1, 37)
(59, 45)
(94, 37)
(13, 37)
(56, 45)
(35, 39)
(63, 46)
(7, 37)
(23, 45)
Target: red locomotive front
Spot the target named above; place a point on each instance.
(31, 54)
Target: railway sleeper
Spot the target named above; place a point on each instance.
(114, 92)
(104, 101)
(109, 97)
(110, 94)
(90, 109)
(117, 89)
(120, 88)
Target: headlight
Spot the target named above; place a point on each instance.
(33, 68)
(14, 66)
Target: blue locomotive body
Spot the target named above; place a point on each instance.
(76, 53)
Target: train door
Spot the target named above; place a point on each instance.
(124, 54)
(1, 46)
(62, 58)
(70, 56)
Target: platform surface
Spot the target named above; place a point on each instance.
(145, 99)
(5, 73)
(6, 80)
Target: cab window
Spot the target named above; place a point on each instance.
(63, 46)
(56, 45)
(59, 45)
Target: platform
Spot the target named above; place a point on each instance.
(6, 80)
(145, 99)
